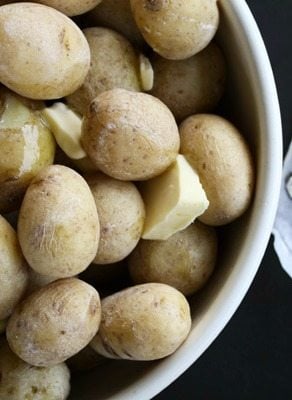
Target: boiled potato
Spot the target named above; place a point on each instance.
(21, 381)
(190, 86)
(130, 136)
(86, 359)
(26, 146)
(44, 54)
(59, 235)
(143, 322)
(13, 270)
(70, 7)
(117, 15)
(114, 64)
(121, 214)
(176, 29)
(218, 151)
(184, 261)
(55, 322)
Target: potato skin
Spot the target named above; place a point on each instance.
(71, 7)
(49, 65)
(114, 64)
(59, 236)
(130, 136)
(176, 29)
(20, 380)
(26, 147)
(117, 15)
(190, 86)
(13, 270)
(121, 214)
(55, 322)
(143, 322)
(220, 155)
(184, 261)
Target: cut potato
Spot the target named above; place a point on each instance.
(65, 124)
(146, 73)
(173, 200)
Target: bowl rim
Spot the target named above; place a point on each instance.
(263, 215)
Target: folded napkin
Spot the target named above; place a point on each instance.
(283, 223)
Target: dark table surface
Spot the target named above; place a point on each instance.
(252, 358)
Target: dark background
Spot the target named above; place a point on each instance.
(252, 358)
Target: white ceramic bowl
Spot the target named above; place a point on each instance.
(255, 110)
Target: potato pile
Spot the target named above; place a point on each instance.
(110, 197)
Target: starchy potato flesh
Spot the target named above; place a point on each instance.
(65, 124)
(146, 72)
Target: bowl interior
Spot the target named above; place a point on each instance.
(251, 103)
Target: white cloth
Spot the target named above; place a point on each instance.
(283, 223)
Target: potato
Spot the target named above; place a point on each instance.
(190, 86)
(176, 29)
(85, 360)
(20, 381)
(13, 270)
(26, 146)
(59, 235)
(121, 214)
(143, 322)
(70, 7)
(55, 322)
(130, 136)
(220, 155)
(184, 261)
(114, 64)
(44, 54)
(117, 15)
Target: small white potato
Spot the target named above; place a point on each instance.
(143, 322)
(190, 86)
(21, 381)
(130, 135)
(43, 54)
(176, 29)
(13, 270)
(185, 261)
(114, 64)
(54, 322)
(59, 235)
(121, 215)
(219, 153)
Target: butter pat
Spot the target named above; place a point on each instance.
(66, 127)
(173, 201)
